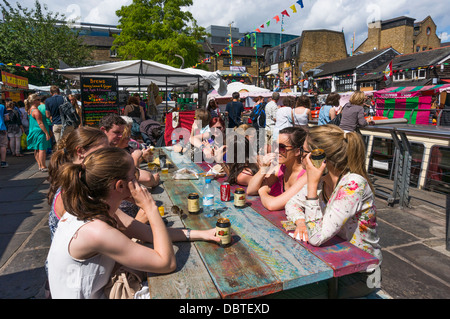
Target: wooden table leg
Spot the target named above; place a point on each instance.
(333, 288)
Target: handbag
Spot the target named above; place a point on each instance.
(337, 120)
(124, 283)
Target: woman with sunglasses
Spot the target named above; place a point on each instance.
(341, 202)
(277, 184)
(93, 235)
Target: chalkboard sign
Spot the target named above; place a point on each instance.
(99, 98)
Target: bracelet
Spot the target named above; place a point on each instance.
(315, 198)
(188, 234)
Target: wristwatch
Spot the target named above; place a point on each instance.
(188, 234)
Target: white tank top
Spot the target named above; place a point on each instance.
(70, 278)
(300, 119)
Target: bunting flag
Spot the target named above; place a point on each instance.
(26, 67)
(262, 26)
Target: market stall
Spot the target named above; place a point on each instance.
(100, 84)
(413, 103)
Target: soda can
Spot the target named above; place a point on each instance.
(239, 198)
(223, 231)
(225, 192)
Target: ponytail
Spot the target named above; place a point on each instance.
(78, 198)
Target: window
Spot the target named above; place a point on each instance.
(293, 50)
(400, 76)
(419, 74)
(226, 61)
(112, 53)
(438, 174)
(246, 62)
(207, 58)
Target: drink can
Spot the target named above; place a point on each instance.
(317, 157)
(193, 203)
(239, 198)
(223, 231)
(161, 210)
(225, 192)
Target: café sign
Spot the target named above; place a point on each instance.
(14, 81)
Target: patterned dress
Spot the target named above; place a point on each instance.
(350, 213)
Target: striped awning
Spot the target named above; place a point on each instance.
(405, 89)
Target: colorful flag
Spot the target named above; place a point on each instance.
(285, 13)
(277, 18)
(388, 72)
(300, 2)
(294, 10)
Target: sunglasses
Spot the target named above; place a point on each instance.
(304, 152)
(283, 149)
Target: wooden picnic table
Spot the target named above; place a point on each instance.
(263, 259)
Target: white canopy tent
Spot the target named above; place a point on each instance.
(140, 73)
(248, 92)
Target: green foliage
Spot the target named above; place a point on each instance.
(34, 37)
(157, 30)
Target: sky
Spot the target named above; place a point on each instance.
(351, 16)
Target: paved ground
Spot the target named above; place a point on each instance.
(416, 263)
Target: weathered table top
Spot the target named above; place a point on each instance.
(262, 260)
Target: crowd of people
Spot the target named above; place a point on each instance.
(101, 206)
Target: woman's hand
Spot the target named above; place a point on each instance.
(141, 196)
(207, 235)
(301, 232)
(314, 175)
(267, 160)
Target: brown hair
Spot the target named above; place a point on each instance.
(133, 100)
(304, 101)
(86, 186)
(333, 99)
(345, 151)
(203, 115)
(84, 137)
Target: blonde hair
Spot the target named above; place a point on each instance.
(345, 151)
(357, 98)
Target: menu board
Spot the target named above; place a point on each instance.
(99, 98)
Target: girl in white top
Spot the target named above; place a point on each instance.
(93, 234)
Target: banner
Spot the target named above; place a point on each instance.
(402, 108)
(14, 81)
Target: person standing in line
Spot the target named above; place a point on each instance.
(15, 129)
(271, 117)
(328, 110)
(3, 137)
(52, 105)
(234, 110)
(38, 138)
(353, 113)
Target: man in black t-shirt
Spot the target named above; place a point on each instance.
(234, 111)
(52, 111)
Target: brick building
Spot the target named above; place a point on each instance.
(402, 34)
(344, 75)
(311, 49)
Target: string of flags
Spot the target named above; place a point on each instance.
(385, 72)
(26, 67)
(249, 35)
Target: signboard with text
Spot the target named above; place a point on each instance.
(14, 81)
(99, 98)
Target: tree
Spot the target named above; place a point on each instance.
(38, 37)
(158, 30)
